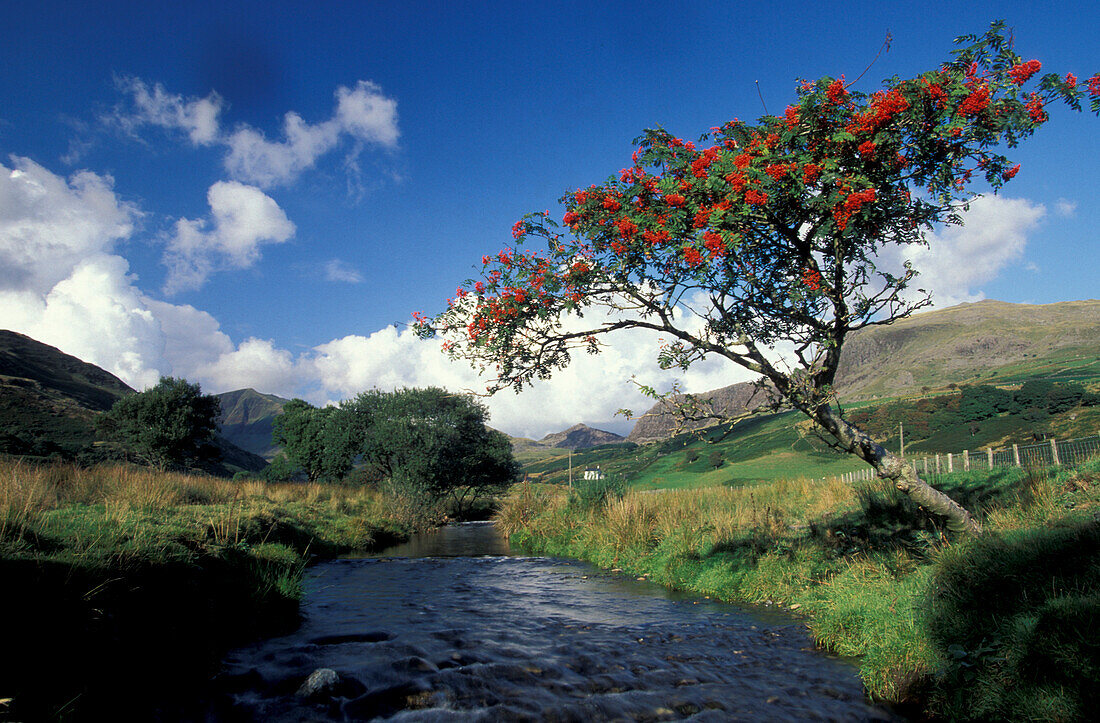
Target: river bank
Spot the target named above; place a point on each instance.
(124, 586)
(999, 627)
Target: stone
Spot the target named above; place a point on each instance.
(320, 683)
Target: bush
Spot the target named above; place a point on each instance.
(589, 494)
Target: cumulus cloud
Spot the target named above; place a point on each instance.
(242, 218)
(363, 114)
(60, 283)
(256, 363)
(49, 224)
(592, 389)
(959, 259)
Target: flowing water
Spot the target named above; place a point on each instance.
(453, 626)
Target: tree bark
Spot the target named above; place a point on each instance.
(904, 476)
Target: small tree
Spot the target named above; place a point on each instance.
(323, 442)
(434, 443)
(769, 234)
(165, 425)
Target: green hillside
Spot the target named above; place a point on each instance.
(246, 420)
(784, 445)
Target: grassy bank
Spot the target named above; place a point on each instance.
(121, 586)
(1001, 627)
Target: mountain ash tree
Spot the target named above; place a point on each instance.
(765, 236)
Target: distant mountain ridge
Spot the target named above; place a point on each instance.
(580, 436)
(960, 344)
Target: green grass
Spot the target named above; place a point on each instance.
(996, 627)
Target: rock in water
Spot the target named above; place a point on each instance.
(320, 682)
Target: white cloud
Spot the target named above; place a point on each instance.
(48, 224)
(256, 363)
(1066, 208)
(592, 389)
(363, 114)
(337, 270)
(198, 117)
(959, 259)
(366, 114)
(242, 219)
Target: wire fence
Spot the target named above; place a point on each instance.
(1062, 452)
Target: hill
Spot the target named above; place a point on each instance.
(58, 374)
(49, 401)
(246, 420)
(580, 436)
(988, 342)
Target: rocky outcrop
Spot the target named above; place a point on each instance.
(663, 420)
(580, 436)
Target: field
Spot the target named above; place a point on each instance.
(784, 445)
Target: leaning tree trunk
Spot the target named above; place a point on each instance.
(889, 466)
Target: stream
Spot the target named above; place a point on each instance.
(454, 626)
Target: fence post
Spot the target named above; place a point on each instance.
(989, 453)
(950, 462)
(937, 462)
(1016, 454)
(1054, 450)
(925, 460)
(966, 460)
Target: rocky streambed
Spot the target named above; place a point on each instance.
(453, 626)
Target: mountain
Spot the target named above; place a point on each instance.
(659, 423)
(246, 420)
(959, 345)
(49, 401)
(580, 436)
(57, 374)
(987, 341)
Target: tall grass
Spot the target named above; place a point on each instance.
(972, 629)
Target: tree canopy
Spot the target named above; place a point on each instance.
(165, 425)
(764, 236)
(427, 441)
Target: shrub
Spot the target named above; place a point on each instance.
(589, 494)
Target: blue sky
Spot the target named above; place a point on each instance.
(159, 215)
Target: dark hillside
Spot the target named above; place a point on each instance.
(21, 357)
(246, 420)
(49, 401)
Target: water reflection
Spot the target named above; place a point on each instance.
(486, 636)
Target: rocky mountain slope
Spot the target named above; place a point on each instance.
(987, 341)
(580, 436)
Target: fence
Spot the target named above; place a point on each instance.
(1066, 452)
